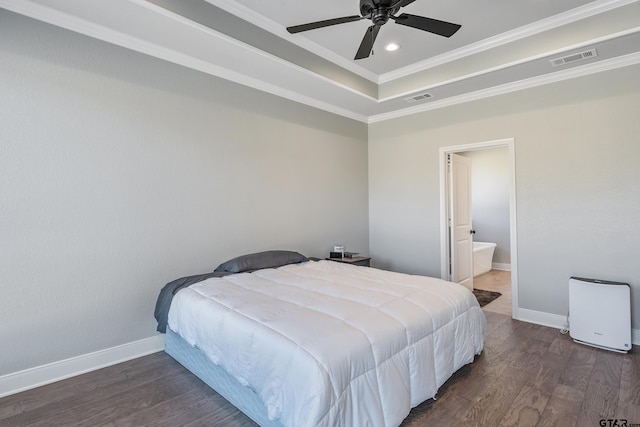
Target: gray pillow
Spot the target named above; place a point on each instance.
(257, 261)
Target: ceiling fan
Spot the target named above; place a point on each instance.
(379, 12)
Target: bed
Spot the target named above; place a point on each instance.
(294, 342)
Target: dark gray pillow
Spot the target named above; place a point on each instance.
(257, 261)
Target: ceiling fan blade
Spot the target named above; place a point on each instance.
(367, 42)
(322, 24)
(442, 28)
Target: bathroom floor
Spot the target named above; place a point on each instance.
(500, 281)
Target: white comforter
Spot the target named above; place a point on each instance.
(330, 344)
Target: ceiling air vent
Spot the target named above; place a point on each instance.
(580, 56)
(418, 97)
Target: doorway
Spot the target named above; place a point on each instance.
(446, 193)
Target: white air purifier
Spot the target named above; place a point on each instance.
(600, 313)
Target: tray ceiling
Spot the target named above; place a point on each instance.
(502, 46)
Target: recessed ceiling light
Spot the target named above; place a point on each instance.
(392, 47)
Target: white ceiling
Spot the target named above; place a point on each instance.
(480, 20)
(503, 46)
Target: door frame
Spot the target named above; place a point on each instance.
(444, 209)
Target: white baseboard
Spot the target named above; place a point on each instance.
(501, 266)
(542, 318)
(559, 322)
(56, 371)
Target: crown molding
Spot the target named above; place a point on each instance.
(227, 74)
(543, 55)
(273, 27)
(577, 14)
(82, 26)
(306, 87)
(558, 76)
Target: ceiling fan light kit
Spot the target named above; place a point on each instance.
(379, 13)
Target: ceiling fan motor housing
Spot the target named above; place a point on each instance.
(367, 7)
(380, 16)
(378, 13)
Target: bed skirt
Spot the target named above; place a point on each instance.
(218, 379)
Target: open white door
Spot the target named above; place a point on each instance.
(460, 220)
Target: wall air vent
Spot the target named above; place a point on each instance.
(580, 56)
(418, 97)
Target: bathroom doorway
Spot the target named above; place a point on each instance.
(493, 208)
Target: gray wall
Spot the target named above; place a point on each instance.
(577, 183)
(490, 199)
(120, 172)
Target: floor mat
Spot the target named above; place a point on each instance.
(485, 297)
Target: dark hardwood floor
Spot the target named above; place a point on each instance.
(527, 375)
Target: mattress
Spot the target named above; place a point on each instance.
(331, 344)
(242, 397)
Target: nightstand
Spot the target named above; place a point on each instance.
(362, 261)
